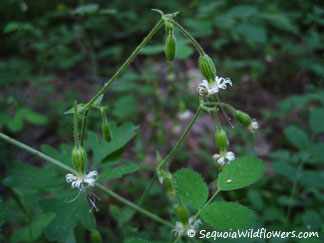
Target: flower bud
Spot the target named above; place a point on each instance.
(79, 159)
(170, 47)
(170, 187)
(221, 140)
(106, 132)
(207, 67)
(96, 237)
(183, 214)
(243, 118)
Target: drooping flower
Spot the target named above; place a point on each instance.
(224, 158)
(253, 126)
(81, 180)
(179, 227)
(212, 87)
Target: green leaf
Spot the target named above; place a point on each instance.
(86, 9)
(183, 51)
(316, 120)
(135, 240)
(121, 215)
(312, 220)
(39, 222)
(64, 155)
(152, 49)
(240, 173)
(297, 137)
(68, 214)
(191, 187)
(125, 108)
(3, 214)
(117, 172)
(24, 175)
(316, 151)
(228, 215)
(120, 137)
(80, 108)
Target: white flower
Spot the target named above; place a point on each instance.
(184, 115)
(179, 228)
(253, 126)
(82, 180)
(222, 159)
(213, 87)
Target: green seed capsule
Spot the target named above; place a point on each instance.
(183, 214)
(221, 140)
(170, 48)
(207, 67)
(106, 132)
(79, 159)
(243, 118)
(96, 237)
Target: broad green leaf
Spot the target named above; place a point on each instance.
(312, 179)
(255, 199)
(125, 108)
(297, 137)
(316, 120)
(120, 137)
(312, 220)
(64, 155)
(68, 214)
(152, 49)
(39, 222)
(117, 172)
(316, 151)
(24, 175)
(86, 9)
(240, 173)
(135, 240)
(121, 215)
(228, 215)
(183, 51)
(80, 108)
(191, 187)
(284, 169)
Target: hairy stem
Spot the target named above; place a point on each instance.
(188, 35)
(127, 62)
(97, 185)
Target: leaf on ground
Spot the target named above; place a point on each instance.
(240, 173)
(228, 215)
(191, 187)
(68, 214)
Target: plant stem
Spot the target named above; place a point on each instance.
(189, 36)
(227, 106)
(126, 63)
(225, 114)
(197, 214)
(84, 126)
(172, 152)
(68, 169)
(76, 135)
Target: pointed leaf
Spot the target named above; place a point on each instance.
(297, 137)
(240, 173)
(191, 187)
(118, 172)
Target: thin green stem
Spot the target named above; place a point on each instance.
(189, 36)
(97, 185)
(76, 135)
(84, 126)
(126, 63)
(227, 106)
(217, 120)
(172, 152)
(197, 215)
(224, 112)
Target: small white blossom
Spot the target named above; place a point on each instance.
(213, 87)
(179, 227)
(222, 159)
(253, 126)
(184, 115)
(82, 180)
